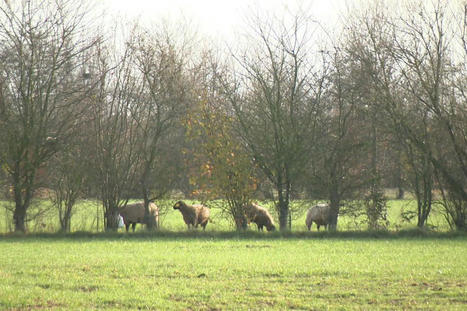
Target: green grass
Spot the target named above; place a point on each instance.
(234, 271)
(176, 269)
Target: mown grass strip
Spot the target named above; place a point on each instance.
(196, 234)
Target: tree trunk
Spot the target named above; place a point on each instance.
(65, 216)
(238, 213)
(148, 217)
(241, 223)
(67, 220)
(420, 218)
(334, 200)
(22, 202)
(283, 211)
(66, 224)
(111, 218)
(423, 188)
(426, 202)
(400, 193)
(148, 220)
(19, 217)
(399, 179)
(423, 213)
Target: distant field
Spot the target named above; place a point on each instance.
(255, 271)
(88, 217)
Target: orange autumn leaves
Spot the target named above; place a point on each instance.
(220, 167)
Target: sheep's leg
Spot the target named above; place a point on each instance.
(127, 226)
(133, 226)
(318, 226)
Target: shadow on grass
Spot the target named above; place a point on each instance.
(239, 235)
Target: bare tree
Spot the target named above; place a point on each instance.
(114, 158)
(40, 101)
(163, 101)
(411, 63)
(68, 174)
(67, 183)
(339, 151)
(274, 97)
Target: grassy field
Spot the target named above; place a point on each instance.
(233, 271)
(220, 269)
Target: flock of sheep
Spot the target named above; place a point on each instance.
(197, 214)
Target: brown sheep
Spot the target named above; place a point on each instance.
(318, 214)
(193, 215)
(134, 213)
(260, 216)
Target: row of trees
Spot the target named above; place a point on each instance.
(285, 115)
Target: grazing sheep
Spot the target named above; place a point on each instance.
(193, 215)
(260, 216)
(318, 214)
(134, 213)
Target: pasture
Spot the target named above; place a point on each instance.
(233, 271)
(220, 269)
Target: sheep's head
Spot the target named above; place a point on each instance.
(178, 204)
(271, 228)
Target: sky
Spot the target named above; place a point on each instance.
(218, 19)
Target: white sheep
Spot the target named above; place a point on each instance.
(134, 213)
(318, 214)
(193, 215)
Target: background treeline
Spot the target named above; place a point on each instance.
(292, 112)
